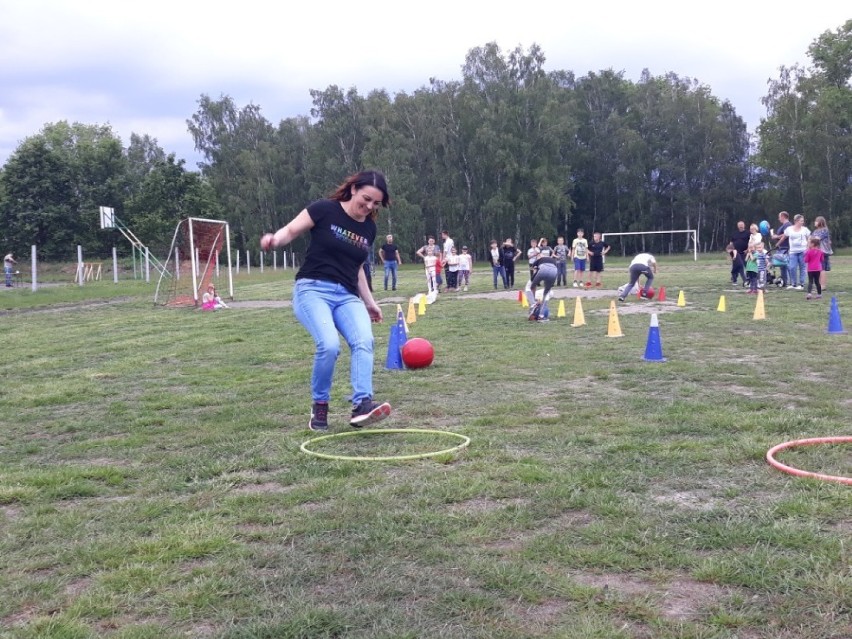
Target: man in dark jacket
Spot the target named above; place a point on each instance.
(740, 241)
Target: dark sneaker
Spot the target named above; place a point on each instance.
(369, 412)
(620, 299)
(534, 311)
(319, 416)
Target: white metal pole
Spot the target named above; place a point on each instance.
(177, 262)
(34, 264)
(147, 265)
(133, 253)
(228, 255)
(274, 260)
(285, 259)
(114, 266)
(262, 255)
(248, 262)
(80, 268)
(194, 257)
(197, 259)
(217, 264)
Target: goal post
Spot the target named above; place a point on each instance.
(693, 233)
(193, 262)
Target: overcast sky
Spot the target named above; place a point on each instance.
(141, 66)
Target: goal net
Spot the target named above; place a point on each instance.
(193, 262)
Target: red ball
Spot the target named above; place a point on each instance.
(417, 353)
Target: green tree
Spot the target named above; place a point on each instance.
(55, 182)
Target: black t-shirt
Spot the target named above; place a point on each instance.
(740, 240)
(598, 248)
(339, 245)
(389, 251)
(508, 253)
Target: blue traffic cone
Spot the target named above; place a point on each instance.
(654, 348)
(394, 358)
(402, 329)
(835, 324)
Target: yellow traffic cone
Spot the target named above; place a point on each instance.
(524, 302)
(561, 311)
(412, 314)
(421, 309)
(614, 328)
(721, 307)
(579, 318)
(681, 300)
(759, 311)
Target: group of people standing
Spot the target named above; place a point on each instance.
(447, 260)
(796, 251)
(580, 255)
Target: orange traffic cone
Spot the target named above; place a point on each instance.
(661, 296)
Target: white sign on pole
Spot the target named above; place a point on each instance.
(107, 217)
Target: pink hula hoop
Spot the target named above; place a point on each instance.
(770, 457)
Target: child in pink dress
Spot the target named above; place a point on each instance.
(813, 263)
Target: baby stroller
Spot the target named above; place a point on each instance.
(773, 263)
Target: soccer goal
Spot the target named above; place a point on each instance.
(692, 233)
(193, 262)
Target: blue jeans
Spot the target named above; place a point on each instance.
(499, 270)
(326, 309)
(635, 272)
(796, 268)
(390, 269)
(7, 271)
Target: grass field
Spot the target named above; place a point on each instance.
(151, 483)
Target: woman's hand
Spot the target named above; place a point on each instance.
(374, 311)
(267, 242)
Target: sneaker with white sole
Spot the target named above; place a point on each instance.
(319, 416)
(369, 412)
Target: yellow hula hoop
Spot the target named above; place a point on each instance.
(383, 431)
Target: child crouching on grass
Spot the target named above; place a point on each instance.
(813, 262)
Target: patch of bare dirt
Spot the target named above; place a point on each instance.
(265, 487)
(680, 599)
(698, 500)
(484, 504)
(541, 615)
(77, 587)
(10, 512)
